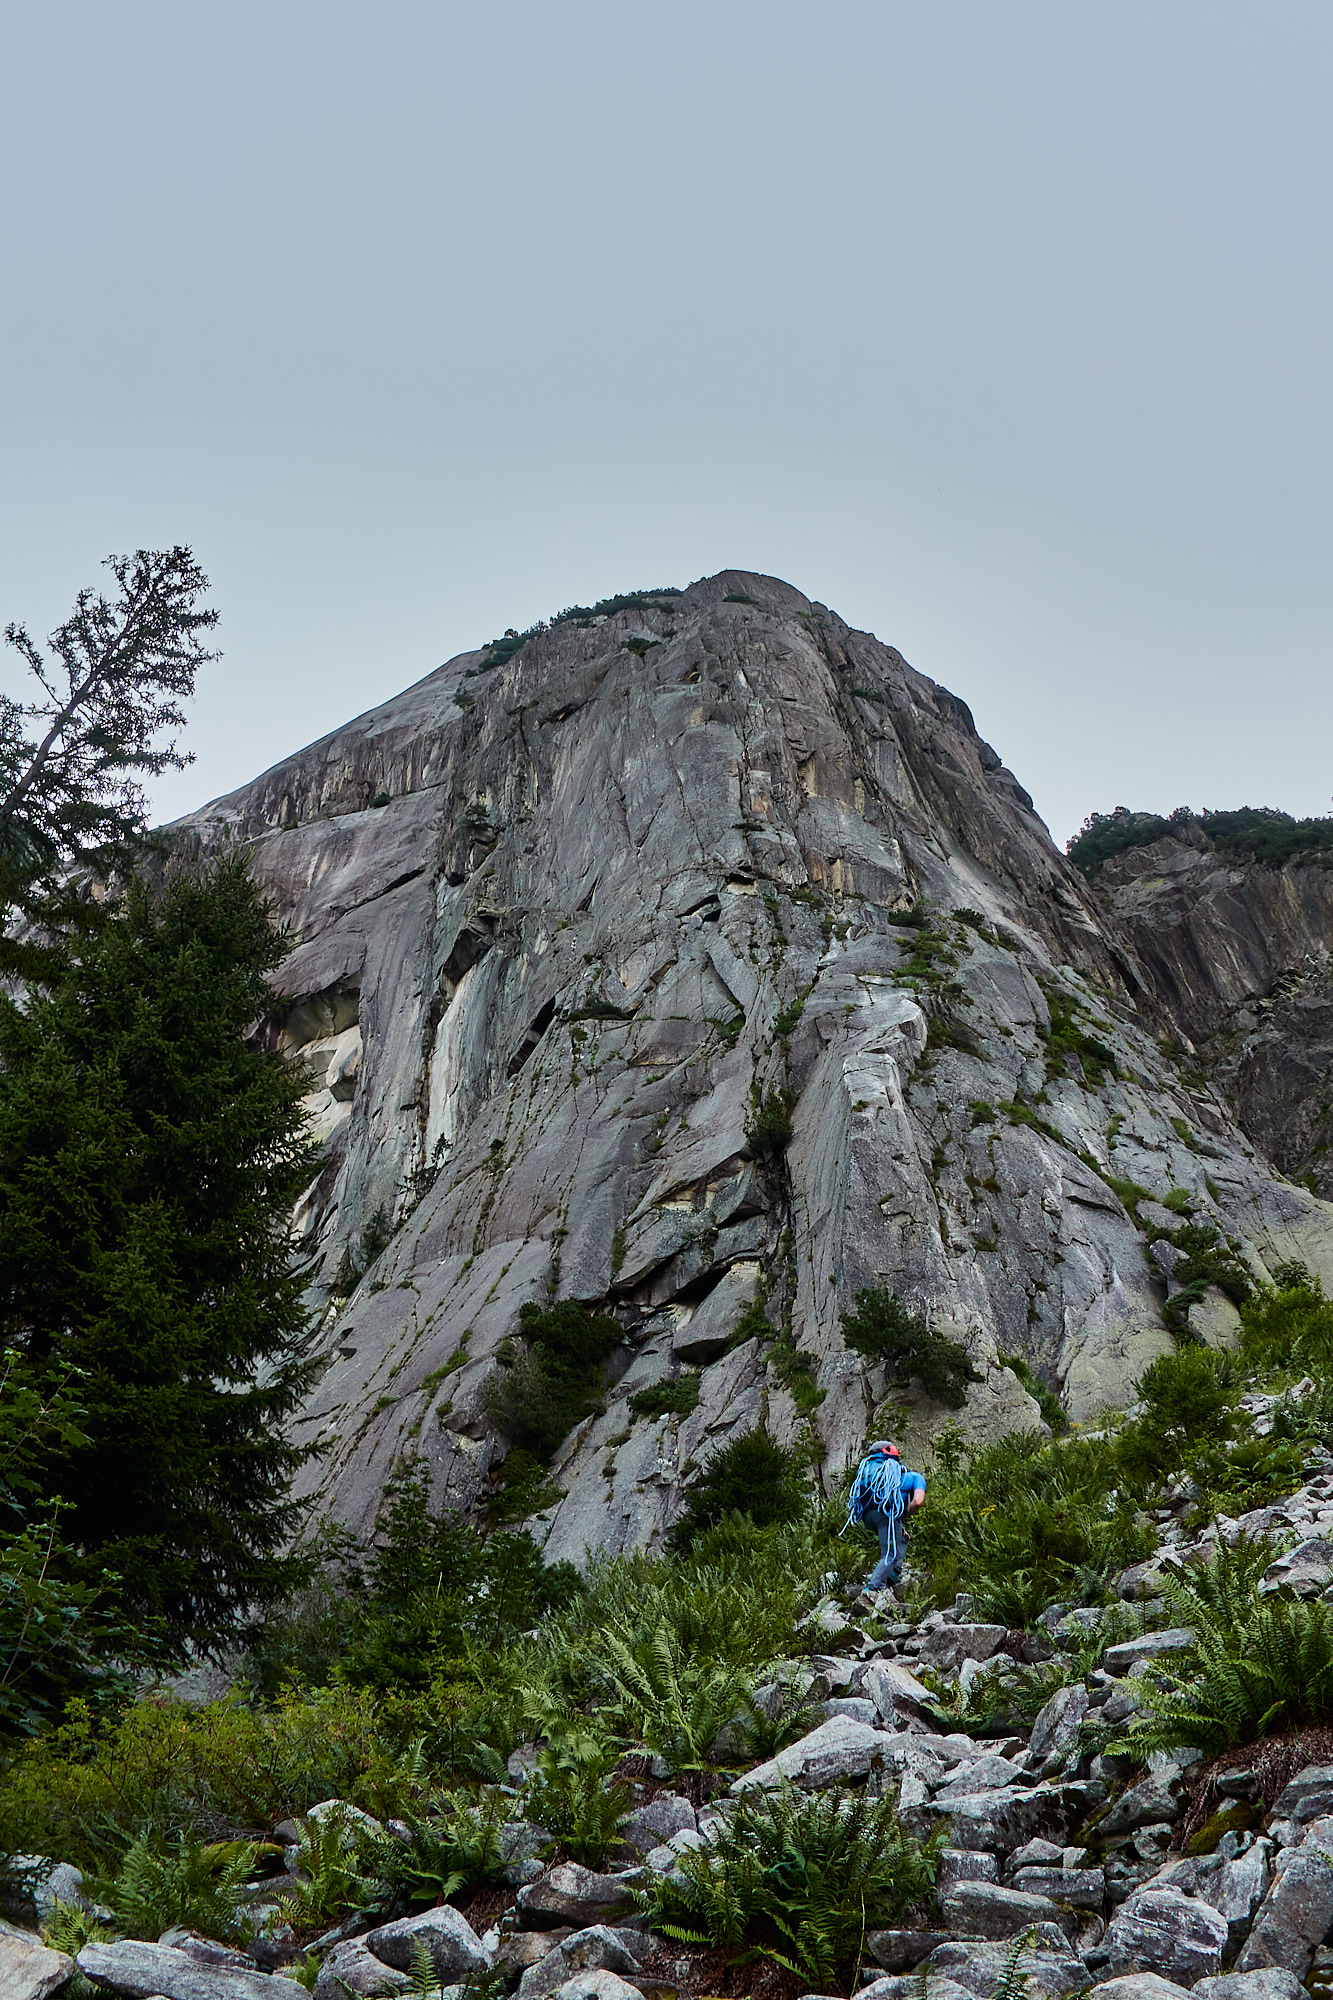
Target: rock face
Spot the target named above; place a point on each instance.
(566, 924)
(1240, 957)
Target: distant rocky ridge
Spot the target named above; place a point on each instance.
(564, 922)
(1240, 959)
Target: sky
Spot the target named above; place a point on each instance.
(1002, 328)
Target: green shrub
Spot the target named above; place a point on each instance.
(1067, 1041)
(1189, 1411)
(1261, 833)
(1026, 1520)
(429, 1584)
(769, 1126)
(754, 1322)
(1208, 1260)
(1288, 1328)
(796, 1880)
(541, 1394)
(375, 1237)
(884, 1330)
(982, 1113)
(1052, 1409)
(85, 1789)
(753, 1475)
(795, 1369)
(667, 1399)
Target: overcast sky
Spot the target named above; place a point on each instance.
(1004, 329)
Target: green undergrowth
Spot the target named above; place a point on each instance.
(409, 1671)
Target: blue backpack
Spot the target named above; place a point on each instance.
(878, 1483)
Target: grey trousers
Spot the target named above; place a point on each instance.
(892, 1548)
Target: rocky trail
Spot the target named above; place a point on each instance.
(1136, 1882)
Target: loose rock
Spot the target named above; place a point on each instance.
(1053, 1969)
(141, 1970)
(445, 1932)
(986, 1910)
(1164, 1931)
(595, 1949)
(1295, 1917)
(569, 1894)
(30, 1970)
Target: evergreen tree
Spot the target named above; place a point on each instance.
(149, 1158)
(120, 667)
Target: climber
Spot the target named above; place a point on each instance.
(882, 1493)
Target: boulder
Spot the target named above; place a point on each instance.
(1308, 1795)
(1294, 1917)
(454, 1947)
(350, 1968)
(1239, 1887)
(596, 1949)
(1138, 1986)
(1267, 1982)
(1165, 1931)
(959, 1864)
(1147, 1646)
(598, 1985)
(1055, 1732)
(207, 1952)
(41, 1883)
(1000, 1821)
(901, 1950)
(947, 1645)
(569, 1894)
(30, 1970)
(1081, 1888)
(909, 1988)
(141, 1970)
(1052, 1969)
(1306, 1570)
(986, 1910)
(518, 1950)
(1038, 1854)
(856, 1706)
(839, 1750)
(654, 1824)
(987, 1774)
(1152, 1803)
(892, 1686)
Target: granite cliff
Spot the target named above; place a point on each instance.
(584, 924)
(1240, 959)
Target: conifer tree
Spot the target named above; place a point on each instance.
(149, 1158)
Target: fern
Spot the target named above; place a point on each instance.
(452, 1846)
(674, 1702)
(1013, 1983)
(572, 1795)
(817, 1871)
(193, 1885)
(1259, 1665)
(330, 1863)
(70, 1927)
